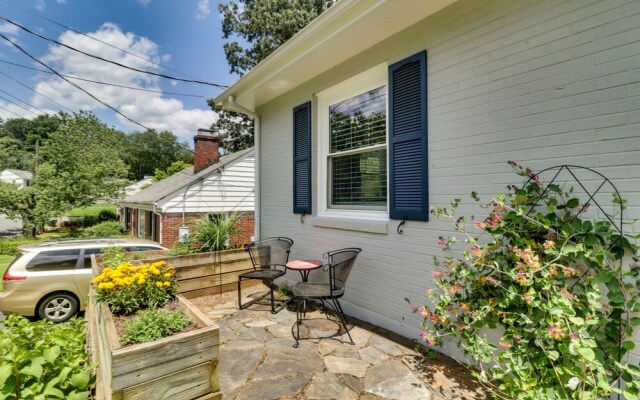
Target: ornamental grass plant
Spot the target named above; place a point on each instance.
(560, 290)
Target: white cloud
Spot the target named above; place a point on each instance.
(39, 5)
(62, 1)
(150, 109)
(145, 3)
(202, 9)
(8, 28)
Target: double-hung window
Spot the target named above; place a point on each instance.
(371, 146)
(353, 146)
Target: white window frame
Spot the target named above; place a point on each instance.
(371, 79)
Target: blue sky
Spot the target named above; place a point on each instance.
(183, 35)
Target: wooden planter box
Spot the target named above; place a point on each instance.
(180, 367)
(203, 273)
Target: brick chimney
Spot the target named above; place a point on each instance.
(207, 149)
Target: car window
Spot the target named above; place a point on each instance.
(145, 248)
(54, 260)
(87, 256)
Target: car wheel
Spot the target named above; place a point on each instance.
(58, 307)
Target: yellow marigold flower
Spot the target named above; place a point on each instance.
(106, 270)
(108, 285)
(159, 284)
(102, 286)
(155, 270)
(167, 283)
(168, 275)
(141, 281)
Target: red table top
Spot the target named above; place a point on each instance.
(304, 264)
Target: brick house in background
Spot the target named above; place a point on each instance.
(214, 185)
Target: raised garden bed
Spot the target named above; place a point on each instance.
(180, 367)
(203, 273)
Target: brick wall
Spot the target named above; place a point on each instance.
(244, 231)
(171, 225)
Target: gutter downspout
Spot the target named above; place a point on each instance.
(257, 145)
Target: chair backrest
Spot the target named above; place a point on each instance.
(270, 252)
(340, 265)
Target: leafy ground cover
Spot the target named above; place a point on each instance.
(42, 360)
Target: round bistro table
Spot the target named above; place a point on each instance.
(304, 267)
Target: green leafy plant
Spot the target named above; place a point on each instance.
(105, 229)
(181, 249)
(213, 232)
(285, 290)
(152, 325)
(550, 284)
(113, 256)
(40, 360)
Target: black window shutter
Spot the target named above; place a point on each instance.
(408, 183)
(302, 159)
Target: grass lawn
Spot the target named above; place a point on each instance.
(4, 263)
(93, 210)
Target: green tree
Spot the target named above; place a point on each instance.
(261, 26)
(175, 167)
(149, 151)
(19, 138)
(79, 165)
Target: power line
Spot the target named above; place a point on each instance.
(105, 83)
(16, 104)
(19, 99)
(30, 88)
(111, 61)
(95, 38)
(7, 110)
(72, 83)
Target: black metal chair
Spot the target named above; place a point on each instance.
(339, 263)
(266, 256)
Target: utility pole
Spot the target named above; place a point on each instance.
(35, 169)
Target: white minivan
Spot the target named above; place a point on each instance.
(51, 279)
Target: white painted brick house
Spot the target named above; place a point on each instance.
(540, 82)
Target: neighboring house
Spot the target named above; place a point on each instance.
(138, 186)
(437, 96)
(16, 176)
(214, 185)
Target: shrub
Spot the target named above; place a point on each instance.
(554, 285)
(129, 288)
(212, 232)
(152, 325)
(43, 360)
(9, 246)
(87, 221)
(107, 215)
(105, 229)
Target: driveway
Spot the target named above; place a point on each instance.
(9, 227)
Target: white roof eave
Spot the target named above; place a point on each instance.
(344, 30)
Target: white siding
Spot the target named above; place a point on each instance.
(10, 177)
(230, 190)
(540, 82)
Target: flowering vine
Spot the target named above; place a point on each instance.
(550, 283)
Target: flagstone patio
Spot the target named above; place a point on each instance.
(258, 361)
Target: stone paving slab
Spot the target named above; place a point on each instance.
(258, 360)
